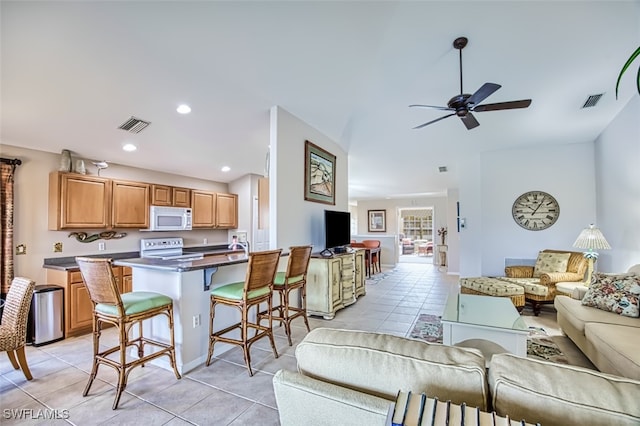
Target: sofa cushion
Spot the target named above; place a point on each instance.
(555, 394)
(619, 344)
(550, 262)
(617, 293)
(381, 364)
(530, 285)
(578, 314)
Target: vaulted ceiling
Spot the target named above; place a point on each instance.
(72, 72)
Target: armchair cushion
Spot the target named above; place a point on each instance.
(619, 293)
(550, 262)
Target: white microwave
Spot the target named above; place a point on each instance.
(169, 219)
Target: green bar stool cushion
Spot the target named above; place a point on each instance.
(280, 276)
(234, 291)
(136, 302)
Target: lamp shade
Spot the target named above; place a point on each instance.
(591, 238)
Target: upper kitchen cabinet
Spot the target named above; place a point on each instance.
(78, 201)
(226, 211)
(203, 209)
(130, 204)
(214, 210)
(164, 195)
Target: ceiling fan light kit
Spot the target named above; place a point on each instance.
(463, 104)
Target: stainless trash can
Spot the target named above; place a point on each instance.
(46, 318)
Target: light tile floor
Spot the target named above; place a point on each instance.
(223, 393)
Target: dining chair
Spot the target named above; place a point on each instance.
(13, 329)
(123, 311)
(257, 288)
(375, 257)
(294, 278)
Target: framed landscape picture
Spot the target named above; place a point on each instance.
(319, 174)
(377, 220)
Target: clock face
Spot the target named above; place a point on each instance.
(535, 210)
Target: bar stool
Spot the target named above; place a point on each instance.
(257, 288)
(295, 277)
(122, 311)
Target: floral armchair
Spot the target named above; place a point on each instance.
(552, 267)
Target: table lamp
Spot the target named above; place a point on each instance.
(591, 238)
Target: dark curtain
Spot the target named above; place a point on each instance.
(6, 217)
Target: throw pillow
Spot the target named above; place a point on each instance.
(550, 262)
(619, 293)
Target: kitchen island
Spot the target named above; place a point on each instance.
(189, 284)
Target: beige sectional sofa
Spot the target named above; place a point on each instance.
(608, 339)
(351, 377)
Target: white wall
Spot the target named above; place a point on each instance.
(491, 235)
(617, 163)
(293, 220)
(31, 192)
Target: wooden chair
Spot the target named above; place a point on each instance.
(375, 257)
(123, 311)
(257, 288)
(13, 329)
(295, 277)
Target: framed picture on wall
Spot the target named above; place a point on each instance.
(319, 174)
(377, 220)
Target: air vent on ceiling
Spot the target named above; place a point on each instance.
(134, 125)
(592, 100)
(442, 169)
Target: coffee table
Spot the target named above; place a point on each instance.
(471, 317)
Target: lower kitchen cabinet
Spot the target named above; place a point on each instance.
(333, 283)
(78, 309)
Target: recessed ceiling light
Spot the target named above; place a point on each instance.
(129, 147)
(226, 169)
(184, 109)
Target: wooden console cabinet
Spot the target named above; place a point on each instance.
(78, 309)
(334, 282)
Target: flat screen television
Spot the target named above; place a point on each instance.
(337, 228)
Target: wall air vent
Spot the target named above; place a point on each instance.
(592, 100)
(442, 169)
(134, 125)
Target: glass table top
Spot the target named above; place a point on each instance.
(487, 311)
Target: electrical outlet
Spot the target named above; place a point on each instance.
(21, 249)
(101, 246)
(57, 247)
(205, 241)
(196, 321)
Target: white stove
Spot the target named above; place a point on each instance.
(169, 248)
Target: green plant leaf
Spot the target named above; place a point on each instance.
(633, 56)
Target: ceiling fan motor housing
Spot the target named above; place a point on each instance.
(458, 103)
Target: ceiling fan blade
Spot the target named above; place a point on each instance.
(433, 106)
(524, 103)
(431, 122)
(470, 121)
(483, 93)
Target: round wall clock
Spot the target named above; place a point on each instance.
(535, 210)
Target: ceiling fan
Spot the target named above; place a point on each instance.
(463, 104)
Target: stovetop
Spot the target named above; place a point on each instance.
(168, 248)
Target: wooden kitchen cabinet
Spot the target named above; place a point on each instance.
(130, 204)
(330, 284)
(226, 211)
(203, 209)
(78, 309)
(79, 202)
(263, 203)
(214, 210)
(164, 195)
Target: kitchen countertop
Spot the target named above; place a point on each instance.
(177, 265)
(218, 255)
